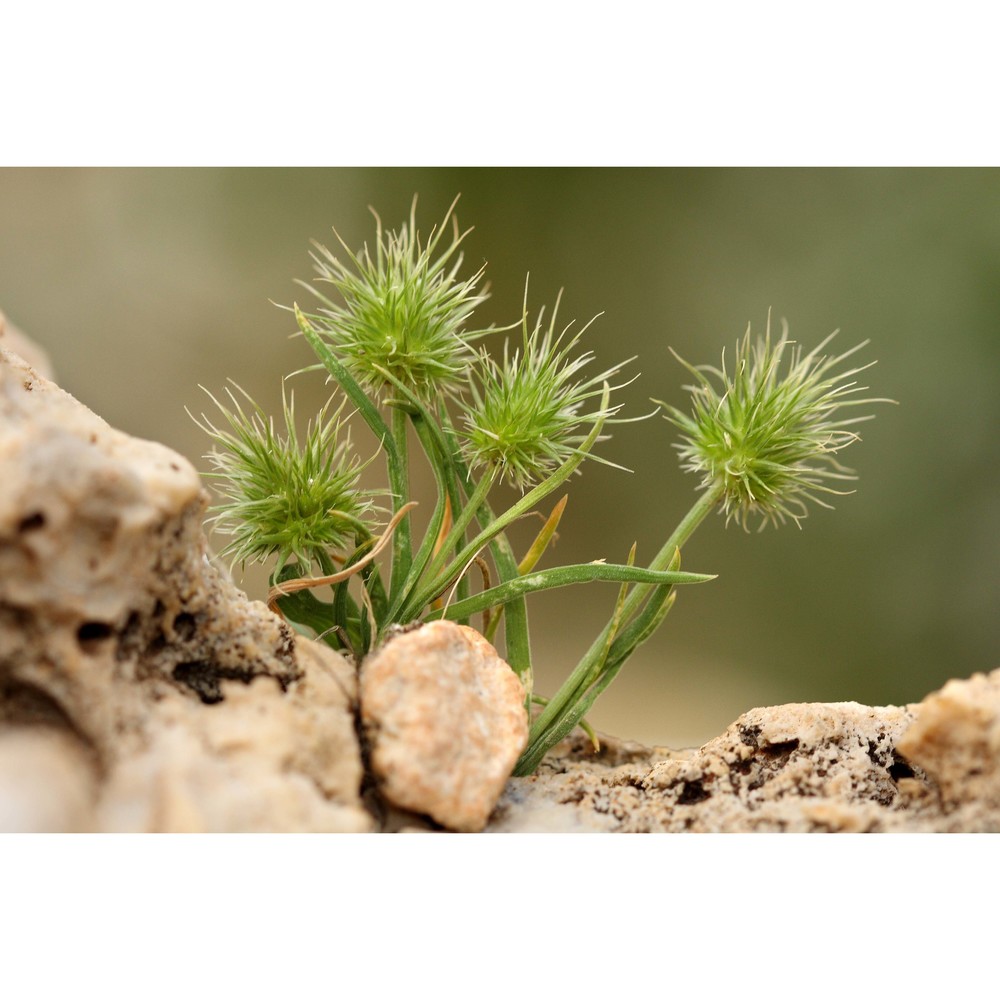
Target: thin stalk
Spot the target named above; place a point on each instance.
(563, 576)
(517, 640)
(451, 473)
(367, 410)
(436, 580)
(419, 562)
(390, 440)
(439, 455)
(701, 508)
(523, 506)
(590, 665)
(566, 722)
(613, 663)
(530, 560)
(402, 551)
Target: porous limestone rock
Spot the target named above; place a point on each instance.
(48, 781)
(956, 739)
(178, 703)
(930, 767)
(445, 722)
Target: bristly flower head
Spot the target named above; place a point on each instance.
(767, 439)
(526, 416)
(281, 496)
(404, 309)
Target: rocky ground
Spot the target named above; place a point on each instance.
(140, 690)
(806, 768)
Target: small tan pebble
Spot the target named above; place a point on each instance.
(445, 719)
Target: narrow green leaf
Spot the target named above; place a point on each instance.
(543, 538)
(614, 661)
(516, 631)
(525, 504)
(563, 576)
(402, 549)
(420, 560)
(354, 392)
(462, 517)
(561, 713)
(537, 699)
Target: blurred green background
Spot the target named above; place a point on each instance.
(141, 284)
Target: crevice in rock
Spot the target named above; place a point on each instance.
(92, 636)
(205, 678)
(129, 636)
(779, 751)
(24, 704)
(692, 792)
(31, 522)
(900, 767)
(371, 797)
(878, 754)
(185, 626)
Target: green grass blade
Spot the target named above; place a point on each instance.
(523, 506)
(423, 555)
(531, 557)
(516, 631)
(544, 735)
(543, 538)
(563, 576)
(366, 408)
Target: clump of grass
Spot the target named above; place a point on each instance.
(400, 344)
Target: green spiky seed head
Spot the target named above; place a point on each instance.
(282, 496)
(765, 431)
(404, 309)
(527, 414)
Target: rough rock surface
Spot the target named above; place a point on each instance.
(47, 781)
(172, 701)
(17, 343)
(140, 691)
(931, 767)
(956, 739)
(445, 722)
